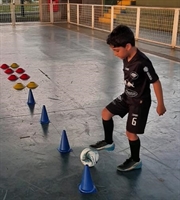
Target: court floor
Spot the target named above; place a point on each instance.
(77, 75)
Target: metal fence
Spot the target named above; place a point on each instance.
(19, 13)
(155, 25)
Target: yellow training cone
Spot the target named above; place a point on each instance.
(19, 86)
(14, 65)
(32, 85)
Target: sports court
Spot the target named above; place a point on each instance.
(77, 75)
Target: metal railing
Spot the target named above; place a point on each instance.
(11, 13)
(151, 24)
(155, 25)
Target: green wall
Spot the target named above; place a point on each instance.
(159, 3)
(110, 2)
(92, 1)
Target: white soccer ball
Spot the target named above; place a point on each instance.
(89, 157)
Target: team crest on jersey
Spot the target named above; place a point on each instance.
(134, 75)
(147, 72)
(145, 69)
(129, 84)
(131, 93)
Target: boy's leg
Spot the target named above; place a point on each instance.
(134, 143)
(116, 107)
(136, 123)
(134, 161)
(108, 126)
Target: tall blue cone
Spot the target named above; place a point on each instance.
(44, 116)
(64, 144)
(30, 98)
(87, 185)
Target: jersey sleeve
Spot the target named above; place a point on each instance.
(150, 72)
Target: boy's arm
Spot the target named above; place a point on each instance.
(159, 95)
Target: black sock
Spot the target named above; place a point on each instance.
(108, 130)
(135, 149)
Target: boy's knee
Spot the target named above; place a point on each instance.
(106, 115)
(103, 113)
(131, 136)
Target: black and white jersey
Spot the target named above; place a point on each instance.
(139, 73)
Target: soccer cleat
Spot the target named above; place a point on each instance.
(103, 145)
(129, 165)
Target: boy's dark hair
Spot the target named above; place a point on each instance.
(121, 36)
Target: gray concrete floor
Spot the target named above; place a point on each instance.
(160, 50)
(77, 75)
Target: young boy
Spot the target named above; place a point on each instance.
(136, 99)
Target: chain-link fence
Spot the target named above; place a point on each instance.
(22, 12)
(156, 25)
(178, 34)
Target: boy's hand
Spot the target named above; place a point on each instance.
(160, 109)
(159, 95)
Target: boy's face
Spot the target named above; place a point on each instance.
(121, 52)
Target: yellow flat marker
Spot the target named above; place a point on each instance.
(14, 65)
(32, 85)
(19, 86)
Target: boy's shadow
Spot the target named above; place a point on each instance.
(131, 176)
(132, 181)
(134, 174)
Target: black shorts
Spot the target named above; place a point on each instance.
(137, 113)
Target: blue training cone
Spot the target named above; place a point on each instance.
(87, 185)
(44, 116)
(31, 100)
(64, 144)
